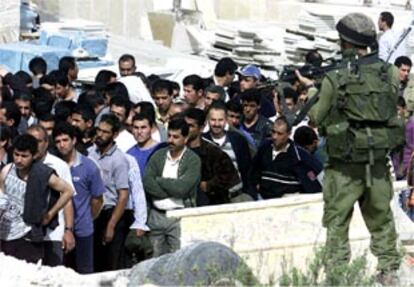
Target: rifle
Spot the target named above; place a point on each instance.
(309, 71)
(288, 75)
(370, 59)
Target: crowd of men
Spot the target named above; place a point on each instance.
(87, 175)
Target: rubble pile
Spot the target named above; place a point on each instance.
(311, 32)
(246, 43)
(268, 45)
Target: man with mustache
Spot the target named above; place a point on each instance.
(171, 179)
(231, 142)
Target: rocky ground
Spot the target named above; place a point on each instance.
(14, 272)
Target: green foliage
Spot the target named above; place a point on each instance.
(241, 275)
(353, 274)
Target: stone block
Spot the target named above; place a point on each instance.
(67, 9)
(162, 25)
(134, 12)
(101, 11)
(84, 9)
(200, 264)
(117, 17)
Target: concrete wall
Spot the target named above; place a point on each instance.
(129, 17)
(279, 10)
(272, 233)
(9, 20)
(122, 17)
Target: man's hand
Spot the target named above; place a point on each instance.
(68, 241)
(46, 219)
(303, 80)
(139, 232)
(203, 186)
(109, 234)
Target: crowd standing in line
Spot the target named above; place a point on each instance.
(125, 151)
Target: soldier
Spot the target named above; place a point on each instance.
(357, 114)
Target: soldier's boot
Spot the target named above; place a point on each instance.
(387, 278)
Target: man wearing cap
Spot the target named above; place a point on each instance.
(357, 114)
(250, 76)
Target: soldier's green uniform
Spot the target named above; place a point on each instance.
(357, 114)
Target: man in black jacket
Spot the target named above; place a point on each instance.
(281, 167)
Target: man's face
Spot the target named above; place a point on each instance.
(42, 142)
(48, 126)
(176, 140)
(141, 129)
(217, 121)
(381, 24)
(126, 68)
(192, 96)
(80, 123)
(233, 119)
(104, 135)
(119, 112)
(280, 136)
(64, 144)
(128, 121)
(163, 101)
(250, 110)
(3, 119)
(229, 79)
(73, 73)
(24, 107)
(210, 98)
(290, 104)
(22, 159)
(401, 111)
(404, 71)
(194, 129)
(247, 83)
(175, 109)
(61, 91)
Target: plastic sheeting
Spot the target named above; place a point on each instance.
(72, 35)
(16, 56)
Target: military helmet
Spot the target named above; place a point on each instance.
(357, 29)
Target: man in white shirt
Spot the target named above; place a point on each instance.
(389, 38)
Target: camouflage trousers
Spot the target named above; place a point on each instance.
(346, 184)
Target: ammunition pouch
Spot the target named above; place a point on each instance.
(357, 143)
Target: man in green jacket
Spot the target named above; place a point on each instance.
(170, 181)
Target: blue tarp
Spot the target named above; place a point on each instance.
(16, 56)
(96, 46)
